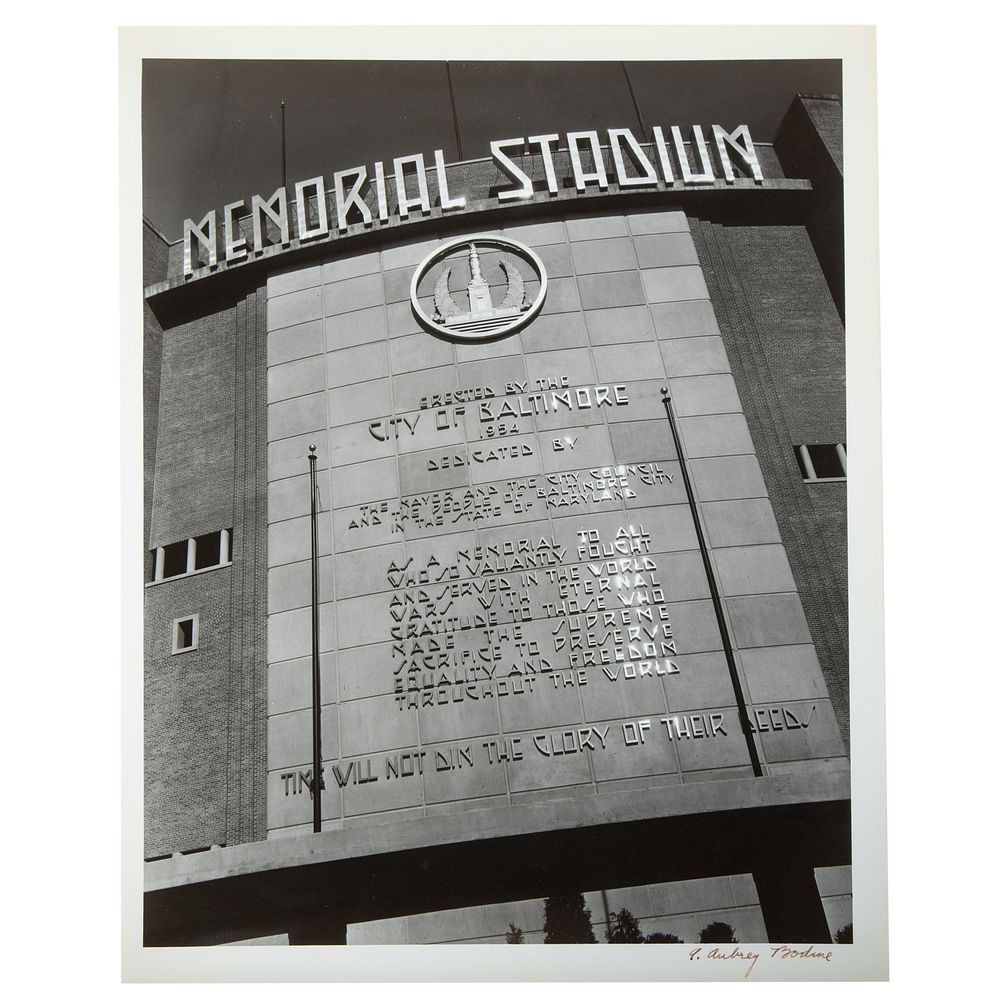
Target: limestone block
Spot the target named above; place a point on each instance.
(366, 572)
(364, 402)
(290, 541)
(642, 223)
(703, 680)
(782, 673)
(768, 620)
(295, 378)
(293, 281)
(352, 294)
(733, 478)
(703, 394)
(409, 390)
(575, 364)
(295, 307)
(637, 361)
(622, 325)
(369, 481)
(357, 364)
(304, 340)
(596, 227)
(606, 291)
(417, 352)
(537, 234)
(555, 331)
(365, 671)
(374, 725)
(740, 522)
(694, 356)
(289, 737)
(290, 585)
(665, 250)
(753, 569)
(673, 284)
(680, 320)
(597, 256)
(299, 415)
(350, 267)
(289, 683)
(354, 328)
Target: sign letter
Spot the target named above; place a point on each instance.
(514, 172)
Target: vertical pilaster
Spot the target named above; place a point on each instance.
(247, 752)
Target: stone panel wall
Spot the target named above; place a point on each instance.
(627, 306)
(786, 343)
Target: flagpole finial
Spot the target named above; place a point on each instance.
(312, 453)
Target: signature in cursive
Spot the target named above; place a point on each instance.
(779, 953)
(696, 954)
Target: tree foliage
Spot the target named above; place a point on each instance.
(717, 933)
(623, 928)
(567, 920)
(515, 935)
(845, 935)
(661, 938)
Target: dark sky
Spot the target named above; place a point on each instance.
(212, 128)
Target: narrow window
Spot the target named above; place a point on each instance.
(208, 548)
(185, 634)
(192, 555)
(822, 462)
(175, 559)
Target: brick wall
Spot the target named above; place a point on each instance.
(193, 490)
(185, 722)
(809, 143)
(204, 710)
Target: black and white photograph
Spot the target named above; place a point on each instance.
(495, 476)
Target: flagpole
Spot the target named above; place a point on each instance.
(741, 705)
(317, 772)
(454, 111)
(635, 103)
(284, 183)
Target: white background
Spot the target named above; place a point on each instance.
(61, 737)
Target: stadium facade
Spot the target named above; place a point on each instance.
(578, 412)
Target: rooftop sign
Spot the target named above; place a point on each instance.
(366, 197)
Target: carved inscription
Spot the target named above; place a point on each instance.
(488, 413)
(510, 499)
(465, 630)
(547, 744)
(554, 614)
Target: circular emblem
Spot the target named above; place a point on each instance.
(478, 288)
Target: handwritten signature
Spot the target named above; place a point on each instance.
(779, 953)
